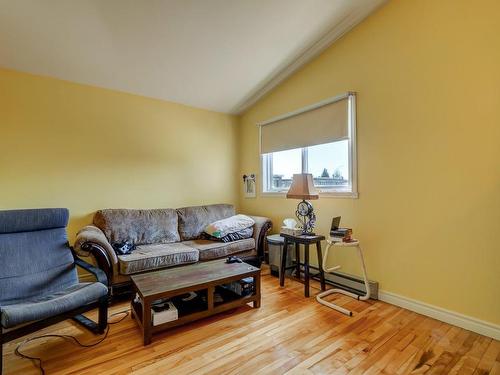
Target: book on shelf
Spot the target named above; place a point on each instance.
(243, 287)
(341, 235)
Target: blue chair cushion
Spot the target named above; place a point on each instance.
(35, 258)
(49, 305)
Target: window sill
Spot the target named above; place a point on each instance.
(323, 194)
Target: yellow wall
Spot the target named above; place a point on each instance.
(427, 74)
(428, 81)
(86, 148)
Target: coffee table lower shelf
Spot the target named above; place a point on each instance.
(141, 311)
(137, 313)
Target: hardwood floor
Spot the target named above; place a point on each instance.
(287, 334)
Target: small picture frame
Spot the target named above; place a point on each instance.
(249, 186)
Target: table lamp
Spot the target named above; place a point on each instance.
(303, 188)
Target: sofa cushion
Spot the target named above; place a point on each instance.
(193, 220)
(214, 249)
(156, 256)
(138, 226)
(52, 304)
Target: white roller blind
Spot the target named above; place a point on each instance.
(314, 125)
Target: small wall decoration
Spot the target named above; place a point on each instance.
(249, 186)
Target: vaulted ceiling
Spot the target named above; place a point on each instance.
(215, 54)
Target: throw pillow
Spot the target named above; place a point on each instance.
(233, 224)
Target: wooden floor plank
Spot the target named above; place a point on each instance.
(488, 360)
(289, 334)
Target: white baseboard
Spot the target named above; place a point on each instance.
(447, 316)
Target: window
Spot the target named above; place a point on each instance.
(332, 164)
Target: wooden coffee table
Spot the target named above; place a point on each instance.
(205, 276)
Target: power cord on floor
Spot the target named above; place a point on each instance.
(38, 360)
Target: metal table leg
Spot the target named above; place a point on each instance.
(321, 295)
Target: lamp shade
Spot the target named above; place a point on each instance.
(302, 187)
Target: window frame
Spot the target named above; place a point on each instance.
(352, 192)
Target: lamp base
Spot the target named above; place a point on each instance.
(307, 217)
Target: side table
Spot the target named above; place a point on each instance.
(305, 240)
(320, 296)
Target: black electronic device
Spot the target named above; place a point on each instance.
(160, 307)
(123, 248)
(233, 259)
(335, 223)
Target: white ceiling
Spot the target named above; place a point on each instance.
(215, 54)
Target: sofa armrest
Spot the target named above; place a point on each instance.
(261, 227)
(91, 241)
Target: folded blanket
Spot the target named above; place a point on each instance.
(240, 235)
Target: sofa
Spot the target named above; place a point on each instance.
(163, 238)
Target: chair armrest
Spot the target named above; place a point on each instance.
(91, 241)
(97, 272)
(261, 227)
